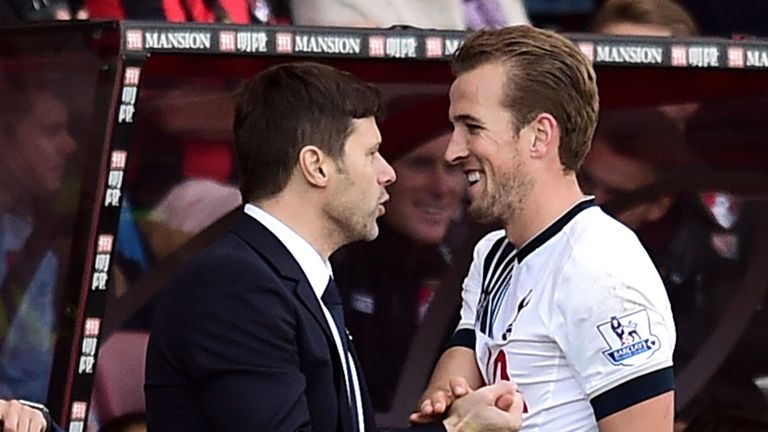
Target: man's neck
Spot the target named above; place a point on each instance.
(546, 203)
(304, 219)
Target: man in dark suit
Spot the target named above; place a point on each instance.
(249, 336)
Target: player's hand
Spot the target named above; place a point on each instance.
(16, 417)
(436, 401)
(494, 408)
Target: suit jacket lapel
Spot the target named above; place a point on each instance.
(277, 256)
(282, 262)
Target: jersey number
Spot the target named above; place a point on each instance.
(500, 367)
(500, 372)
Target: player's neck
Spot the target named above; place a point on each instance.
(548, 201)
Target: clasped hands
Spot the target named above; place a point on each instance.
(496, 407)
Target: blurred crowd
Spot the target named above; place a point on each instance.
(740, 18)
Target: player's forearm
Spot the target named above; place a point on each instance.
(455, 362)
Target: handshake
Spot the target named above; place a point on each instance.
(496, 407)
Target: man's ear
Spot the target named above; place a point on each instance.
(659, 208)
(544, 135)
(315, 165)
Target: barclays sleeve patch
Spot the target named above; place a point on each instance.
(629, 338)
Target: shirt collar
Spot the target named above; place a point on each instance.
(555, 227)
(312, 264)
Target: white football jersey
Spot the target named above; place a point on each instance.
(578, 318)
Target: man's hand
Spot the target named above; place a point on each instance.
(17, 417)
(435, 404)
(494, 408)
(442, 390)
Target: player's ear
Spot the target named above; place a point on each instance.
(659, 208)
(544, 135)
(314, 165)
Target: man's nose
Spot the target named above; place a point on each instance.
(387, 174)
(457, 148)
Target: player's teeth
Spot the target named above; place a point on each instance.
(473, 177)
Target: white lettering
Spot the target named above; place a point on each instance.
(112, 198)
(115, 179)
(703, 56)
(102, 262)
(99, 282)
(401, 47)
(86, 365)
(178, 40)
(251, 42)
(327, 44)
(757, 58)
(89, 346)
(126, 114)
(629, 54)
(451, 45)
(129, 95)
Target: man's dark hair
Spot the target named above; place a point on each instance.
(287, 107)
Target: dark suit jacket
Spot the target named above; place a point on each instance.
(240, 343)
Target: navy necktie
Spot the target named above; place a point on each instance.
(332, 301)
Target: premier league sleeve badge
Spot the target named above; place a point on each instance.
(629, 338)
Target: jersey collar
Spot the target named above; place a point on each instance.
(554, 228)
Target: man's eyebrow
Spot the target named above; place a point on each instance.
(465, 118)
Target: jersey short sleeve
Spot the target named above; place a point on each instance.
(618, 335)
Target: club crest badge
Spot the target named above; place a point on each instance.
(629, 338)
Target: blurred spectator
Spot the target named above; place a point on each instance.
(699, 249)
(663, 18)
(388, 284)
(628, 150)
(14, 11)
(439, 14)
(36, 145)
(187, 209)
(644, 18)
(205, 11)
